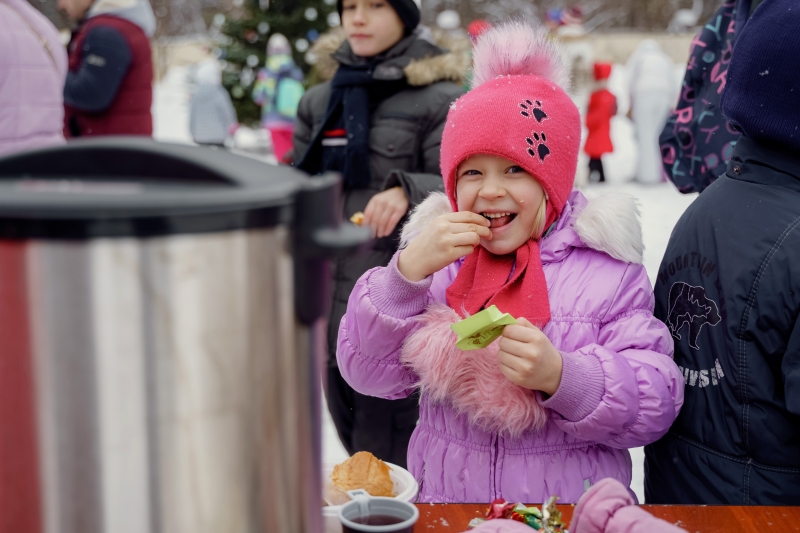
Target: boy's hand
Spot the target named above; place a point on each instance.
(446, 239)
(384, 211)
(528, 358)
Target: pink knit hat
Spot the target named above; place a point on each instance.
(518, 108)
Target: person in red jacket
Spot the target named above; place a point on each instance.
(602, 106)
(109, 86)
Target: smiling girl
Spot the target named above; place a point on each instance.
(379, 123)
(586, 372)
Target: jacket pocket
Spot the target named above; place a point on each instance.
(394, 146)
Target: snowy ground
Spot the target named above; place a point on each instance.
(661, 204)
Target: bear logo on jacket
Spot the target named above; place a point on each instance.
(690, 305)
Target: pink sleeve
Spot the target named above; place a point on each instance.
(624, 390)
(380, 315)
(608, 507)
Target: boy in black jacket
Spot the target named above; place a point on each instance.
(729, 289)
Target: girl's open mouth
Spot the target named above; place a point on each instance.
(498, 220)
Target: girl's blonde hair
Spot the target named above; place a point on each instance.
(540, 220)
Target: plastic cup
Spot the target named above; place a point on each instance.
(378, 515)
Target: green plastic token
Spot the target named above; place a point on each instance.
(479, 330)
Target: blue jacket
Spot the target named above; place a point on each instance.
(729, 290)
(697, 141)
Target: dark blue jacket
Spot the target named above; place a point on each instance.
(697, 141)
(106, 58)
(729, 290)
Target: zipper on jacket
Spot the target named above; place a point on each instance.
(420, 483)
(496, 453)
(746, 487)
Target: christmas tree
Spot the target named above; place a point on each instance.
(244, 39)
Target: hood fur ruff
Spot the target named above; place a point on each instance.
(470, 381)
(609, 224)
(451, 66)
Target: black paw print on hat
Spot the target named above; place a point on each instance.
(536, 145)
(532, 109)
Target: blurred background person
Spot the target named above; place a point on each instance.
(476, 28)
(109, 90)
(697, 141)
(278, 90)
(571, 24)
(602, 106)
(653, 96)
(379, 123)
(552, 19)
(212, 117)
(33, 64)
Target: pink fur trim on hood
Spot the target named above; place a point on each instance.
(470, 381)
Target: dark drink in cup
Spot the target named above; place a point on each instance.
(379, 520)
(380, 515)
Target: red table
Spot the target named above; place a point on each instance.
(436, 518)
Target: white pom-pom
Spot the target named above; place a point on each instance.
(518, 48)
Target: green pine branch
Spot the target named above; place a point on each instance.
(244, 40)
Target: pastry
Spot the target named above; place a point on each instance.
(363, 471)
(357, 218)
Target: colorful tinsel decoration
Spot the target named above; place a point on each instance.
(546, 520)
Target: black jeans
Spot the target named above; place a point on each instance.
(596, 165)
(365, 423)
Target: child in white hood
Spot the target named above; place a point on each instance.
(211, 114)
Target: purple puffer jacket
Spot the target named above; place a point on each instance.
(619, 387)
(31, 79)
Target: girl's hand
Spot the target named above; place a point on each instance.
(446, 239)
(384, 211)
(528, 358)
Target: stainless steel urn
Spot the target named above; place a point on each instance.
(158, 305)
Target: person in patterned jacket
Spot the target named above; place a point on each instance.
(278, 90)
(697, 141)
